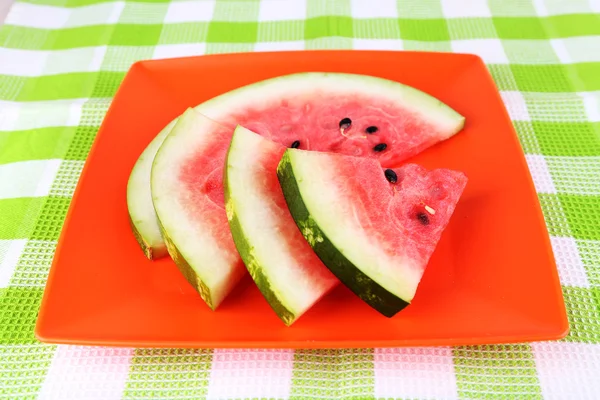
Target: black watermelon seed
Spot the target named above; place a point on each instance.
(380, 147)
(296, 144)
(423, 218)
(345, 123)
(372, 129)
(391, 176)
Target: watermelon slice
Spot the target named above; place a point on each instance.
(344, 113)
(187, 194)
(142, 216)
(289, 274)
(374, 229)
(350, 114)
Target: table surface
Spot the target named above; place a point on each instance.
(61, 62)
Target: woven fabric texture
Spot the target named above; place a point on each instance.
(61, 62)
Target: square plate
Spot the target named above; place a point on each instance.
(492, 278)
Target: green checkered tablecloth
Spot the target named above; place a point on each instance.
(61, 62)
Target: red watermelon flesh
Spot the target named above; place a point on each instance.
(376, 234)
(315, 123)
(316, 127)
(202, 178)
(410, 214)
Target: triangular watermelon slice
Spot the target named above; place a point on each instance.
(286, 270)
(339, 112)
(374, 228)
(187, 193)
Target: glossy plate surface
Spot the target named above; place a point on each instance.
(492, 278)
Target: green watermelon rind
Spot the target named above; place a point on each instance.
(252, 265)
(349, 274)
(186, 269)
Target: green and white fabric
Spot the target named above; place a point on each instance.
(61, 62)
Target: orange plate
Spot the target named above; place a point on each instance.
(491, 279)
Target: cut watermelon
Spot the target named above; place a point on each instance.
(187, 193)
(375, 230)
(286, 270)
(344, 113)
(142, 216)
(349, 114)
